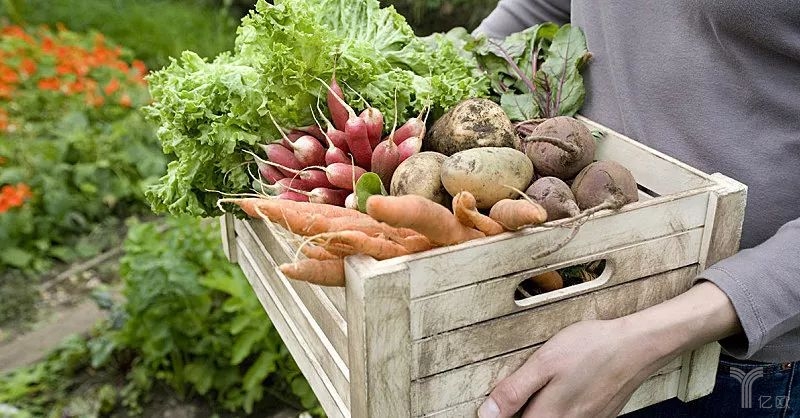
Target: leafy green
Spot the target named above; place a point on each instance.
(367, 185)
(209, 111)
(536, 72)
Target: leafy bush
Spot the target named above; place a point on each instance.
(190, 321)
(73, 151)
(196, 323)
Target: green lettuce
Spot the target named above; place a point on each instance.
(208, 112)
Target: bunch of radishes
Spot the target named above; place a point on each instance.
(322, 164)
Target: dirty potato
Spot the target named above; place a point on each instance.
(485, 172)
(472, 123)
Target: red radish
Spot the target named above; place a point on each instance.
(336, 136)
(385, 159)
(344, 175)
(326, 195)
(308, 175)
(373, 118)
(294, 184)
(334, 154)
(291, 137)
(308, 151)
(409, 147)
(290, 195)
(313, 130)
(269, 173)
(357, 137)
(281, 155)
(336, 104)
(412, 127)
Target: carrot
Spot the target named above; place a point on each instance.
(422, 215)
(319, 272)
(357, 242)
(548, 281)
(464, 207)
(316, 252)
(517, 214)
(271, 206)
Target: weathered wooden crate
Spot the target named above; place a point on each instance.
(430, 334)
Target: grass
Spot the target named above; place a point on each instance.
(153, 29)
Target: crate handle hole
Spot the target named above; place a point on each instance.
(565, 281)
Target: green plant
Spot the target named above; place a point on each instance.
(73, 151)
(196, 323)
(154, 29)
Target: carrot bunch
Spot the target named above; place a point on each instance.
(392, 226)
(321, 164)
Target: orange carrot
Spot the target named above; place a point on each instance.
(320, 272)
(517, 214)
(357, 242)
(271, 204)
(548, 281)
(422, 215)
(316, 252)
(466, 211)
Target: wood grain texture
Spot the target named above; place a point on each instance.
(305, 324)
(380, 338)
(483, 340)
(326, 316)
(282, 246)
(283, 321)
(445, 311)
(448, 268)
(228, 236)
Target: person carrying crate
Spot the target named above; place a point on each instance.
(715, 84)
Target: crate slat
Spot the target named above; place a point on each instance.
(475, 381)
(448, 268)
(324, 313)
(649, 166)
(282, 245)
(466, 345)
(304, 323)
(309, 364)
(494, 298)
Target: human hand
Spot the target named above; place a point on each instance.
(591, 368)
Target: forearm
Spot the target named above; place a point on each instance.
(699, 316)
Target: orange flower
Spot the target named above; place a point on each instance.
(13, 196)
(141, 69)
(76, 86)
(28, 66)
(125, 100)
(8, 76)
(50, 83)
(111, 87)
(5, 91)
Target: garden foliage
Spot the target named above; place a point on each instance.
(74, 150)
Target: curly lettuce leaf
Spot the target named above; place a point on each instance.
(208, 112)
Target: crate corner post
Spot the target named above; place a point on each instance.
(228, 232)
(379, 329)
(726, 211)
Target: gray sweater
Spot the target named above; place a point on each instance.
(716, 84)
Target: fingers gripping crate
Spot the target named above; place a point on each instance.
(431, 333)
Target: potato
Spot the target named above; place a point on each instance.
(485, 171)
(472, 123)
(419, 174)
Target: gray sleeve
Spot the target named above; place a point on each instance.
(763, 283)
(511, 16)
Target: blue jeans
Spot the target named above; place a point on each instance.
(743, 389)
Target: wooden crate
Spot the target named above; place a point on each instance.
(430, 334)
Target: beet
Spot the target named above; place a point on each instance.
(559, 147)
(604, 183)
(555, 197)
